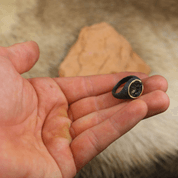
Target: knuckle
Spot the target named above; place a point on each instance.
(94, 141)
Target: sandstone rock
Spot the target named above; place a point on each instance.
(101, 50)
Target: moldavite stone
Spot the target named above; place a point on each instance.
(101, 50)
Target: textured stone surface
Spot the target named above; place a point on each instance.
(101, 50)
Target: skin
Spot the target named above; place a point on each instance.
(52, 127)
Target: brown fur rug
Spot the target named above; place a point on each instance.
(150, 150)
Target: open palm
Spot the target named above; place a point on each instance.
(53, 127)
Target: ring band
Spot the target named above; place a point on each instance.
(131, 90)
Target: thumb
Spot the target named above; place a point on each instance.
(23, 55)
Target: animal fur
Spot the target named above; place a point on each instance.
(150, 150)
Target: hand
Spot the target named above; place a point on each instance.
(53, 127)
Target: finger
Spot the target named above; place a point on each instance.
(91, 104)
(76, 88)
(23, 55)
(94, 140)
(157, 102)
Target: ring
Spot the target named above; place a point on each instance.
(131, 90)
